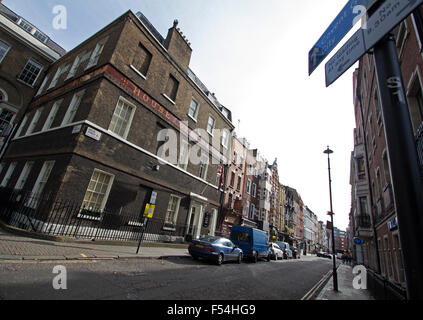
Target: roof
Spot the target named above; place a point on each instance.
(6, 12)
(225, 111)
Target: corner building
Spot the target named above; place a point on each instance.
(93, 133)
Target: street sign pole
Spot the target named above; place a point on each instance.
(405, 174)
(144, 226)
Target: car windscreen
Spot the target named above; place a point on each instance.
(210, 239)
(281, 245)
(240, 236)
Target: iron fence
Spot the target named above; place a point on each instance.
(383, 289)
(66, 218)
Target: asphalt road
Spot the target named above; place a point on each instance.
(153, 279)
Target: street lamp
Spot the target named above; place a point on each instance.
(335, 276)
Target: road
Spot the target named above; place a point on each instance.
(168, 279)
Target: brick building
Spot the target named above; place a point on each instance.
(373, 213)
(234, 204)
(274, 211)
(25, 55)
(121, 118)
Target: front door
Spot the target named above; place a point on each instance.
(195, 218)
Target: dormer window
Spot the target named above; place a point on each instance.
(32, 30)
(40, 36)
(25, 25)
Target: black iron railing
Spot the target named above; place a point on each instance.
(383, 289)
(363, 221)
(67, 218)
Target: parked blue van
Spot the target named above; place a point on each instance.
(253, 242)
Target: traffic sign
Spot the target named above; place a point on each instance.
(358, 241)
(350, 52)
(387, 16)
(337, 30)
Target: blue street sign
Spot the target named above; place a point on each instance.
(337, 30)
(357, 241)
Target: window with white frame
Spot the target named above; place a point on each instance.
(211, 125)
(203, 168)
(23, 123)
(238, 186)
(122, 118)
(183, 155)
(415, 99)
(246, 208)
(4, 49)
(8, 175)
(98, 191)
(172, 210)
(96, 53)
(225, 138)
(52, 115)
(34, 122)
(30, 72)
(42, 86)
(40, 36)
(74, 67)
(41, 181)
(401, 37)
(193, 109)
(73, 108)
(6, 117)
(25, 25)
(249, 186)
(254, 190)
(142, 60)
(172, 87)
(24, 175)
(253, 211)
(55, 78)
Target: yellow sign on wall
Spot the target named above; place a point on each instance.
(149, 210)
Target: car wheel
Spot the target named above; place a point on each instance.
(220, 259)
(239, 258)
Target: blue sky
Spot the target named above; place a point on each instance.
(254, 56)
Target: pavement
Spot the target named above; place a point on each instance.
(346, 290)
(15, 247)
(19, 248)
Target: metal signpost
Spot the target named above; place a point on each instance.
(403, 159)
(148, 214)
(405, 172)
(338, 29)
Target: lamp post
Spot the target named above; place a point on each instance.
(334, 274)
